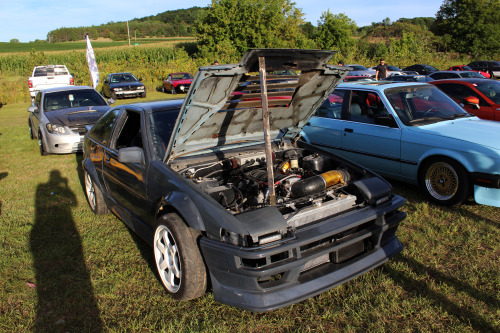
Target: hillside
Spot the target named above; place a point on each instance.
(171, 23)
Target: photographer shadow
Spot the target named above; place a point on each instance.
(66, 301)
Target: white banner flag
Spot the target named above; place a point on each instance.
(94, 72)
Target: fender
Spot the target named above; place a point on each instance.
(180, 202)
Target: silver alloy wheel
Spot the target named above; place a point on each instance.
(441, 181)
(90, 191)
(167, 258)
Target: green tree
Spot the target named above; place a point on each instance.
(230, 27)
(470, 26)
(335, 31)
(14, 40)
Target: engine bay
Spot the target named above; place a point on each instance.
(302, 178)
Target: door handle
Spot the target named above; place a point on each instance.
(348, 130)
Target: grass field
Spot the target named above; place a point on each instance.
(65, 270)
(82, 45)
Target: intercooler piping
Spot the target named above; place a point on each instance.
(318, 183)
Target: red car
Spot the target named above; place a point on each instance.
(480, 97)
(177, 83)
(467, 68)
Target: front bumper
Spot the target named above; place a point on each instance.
(63, 143)
(486, 188)
(129, 93)
(318, 258)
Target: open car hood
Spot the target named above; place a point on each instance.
(224, 104)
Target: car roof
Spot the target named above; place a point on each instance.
(67, 88)
(120, 73)
(153, 106)
(378, 85)
(464, 80)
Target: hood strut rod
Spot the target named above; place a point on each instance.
(267, 131)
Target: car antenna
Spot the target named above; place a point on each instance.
(267, 131)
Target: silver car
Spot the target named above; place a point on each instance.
(61, 116)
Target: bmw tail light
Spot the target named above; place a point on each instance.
(30, 84)
(72, 81)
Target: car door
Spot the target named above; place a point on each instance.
(126, 182)
(458, 92)
(325, 127)
(368, 140)
(35, 116)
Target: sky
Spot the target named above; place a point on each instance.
(28, 20)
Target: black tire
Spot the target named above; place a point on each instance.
(112, 95)
(32, 135)
(173, 91)
(94, 196)
(178, 259)
(143, 95)
(41, 145)
(444, 181)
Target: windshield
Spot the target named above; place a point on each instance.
(118, 78)
(182, 76)
(491, 89)
(162, 125)
(393, 68)
(72, 99)
(422, 104)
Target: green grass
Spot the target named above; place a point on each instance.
(82, 45)
(65, 270)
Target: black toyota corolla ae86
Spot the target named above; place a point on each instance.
(228, 196)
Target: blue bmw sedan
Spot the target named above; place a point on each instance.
(414, 133)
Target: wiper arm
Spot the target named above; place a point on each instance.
(421, 120)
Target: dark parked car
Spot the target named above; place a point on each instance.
(444, 75)
(177, 83)
(60, 116)
(491, 67)
(263, 219)
(121, 85)
(480, 97)
(421, 69)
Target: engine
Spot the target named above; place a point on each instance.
(301, 178)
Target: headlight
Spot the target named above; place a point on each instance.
(140, 88)
(56, 129)
(117, 89)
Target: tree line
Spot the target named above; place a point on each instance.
(226, 28)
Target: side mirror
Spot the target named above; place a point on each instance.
(140, 79)
(32, 109)
(472, 101)
(106, 82)
(385, 120)
(131, 155)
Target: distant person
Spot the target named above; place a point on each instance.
(381, 70)
(215, 62)
(340, 63)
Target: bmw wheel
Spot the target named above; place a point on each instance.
(445, 181)
(94, 196)
(178, 258)
(172, 90)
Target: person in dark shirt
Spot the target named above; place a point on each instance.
(381, 70)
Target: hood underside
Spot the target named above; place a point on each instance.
(224, 103)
